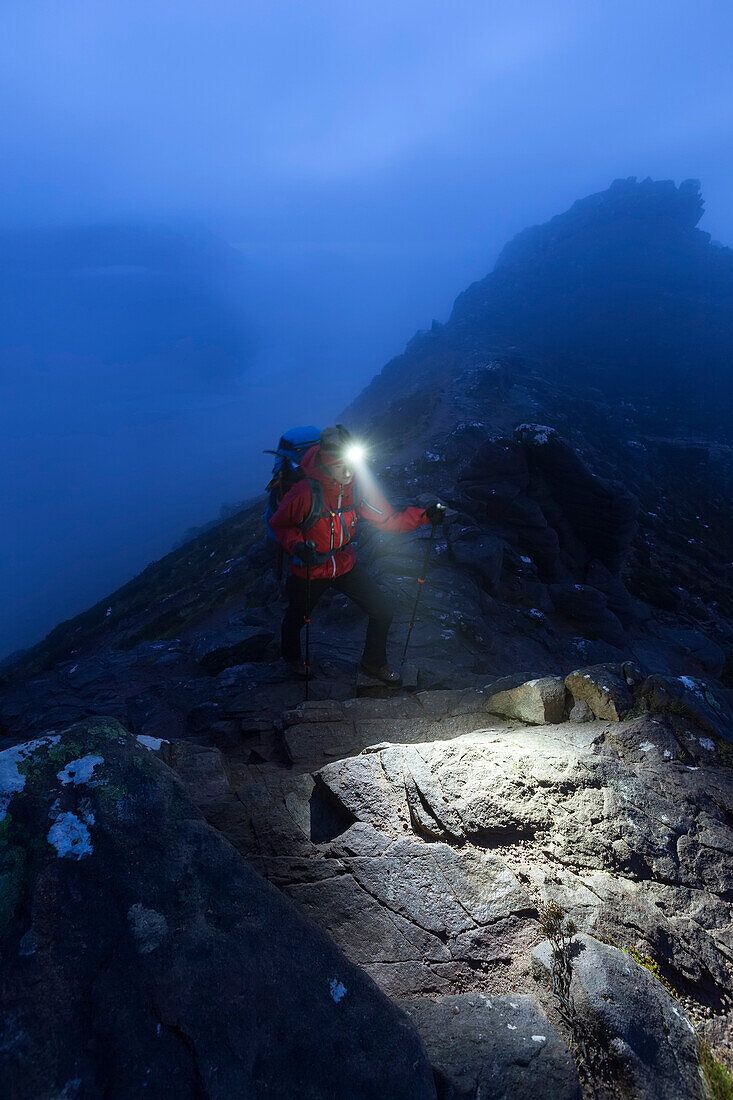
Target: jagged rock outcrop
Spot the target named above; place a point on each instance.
(141, 955)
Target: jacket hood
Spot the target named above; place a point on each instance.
(311, 467)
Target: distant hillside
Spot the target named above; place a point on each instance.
(121, 298)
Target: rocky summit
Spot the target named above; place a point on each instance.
(511, 878)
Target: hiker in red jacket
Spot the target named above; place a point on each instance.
(321, 552)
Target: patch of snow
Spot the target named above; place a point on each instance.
(690, 684)
(691, 769)
(337, 990)
(108, 612)
(707, 743)
(79, 771)
(152, 743)
(535, 613)
(525, 559)
(668, 755)
(539, 1038)
(646, 746)
(73, 669)
(11, 779)
(512, 1027)
(70, 836)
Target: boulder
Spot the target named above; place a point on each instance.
(540, 702)
(634, 1030)
(601, 513)
(603, 688)
(493, 1048)
(140, 955)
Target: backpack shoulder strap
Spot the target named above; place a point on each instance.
(318, 505)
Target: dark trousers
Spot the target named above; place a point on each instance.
(359, 587)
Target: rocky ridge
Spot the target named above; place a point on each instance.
(565, 740)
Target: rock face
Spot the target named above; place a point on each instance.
(538, 494)
(141, 955)
(622, 822)
(428, 854)
(494, 1048)
(647, 1044)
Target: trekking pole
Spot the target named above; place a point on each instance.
(420, 583)
(307, 628)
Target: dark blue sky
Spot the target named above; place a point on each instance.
(366, 160)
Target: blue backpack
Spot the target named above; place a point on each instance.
(286, 469)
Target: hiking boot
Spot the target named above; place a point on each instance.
(299, 670)
(381, 672)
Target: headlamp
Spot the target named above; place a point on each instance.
(354, 454)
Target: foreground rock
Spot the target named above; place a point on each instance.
(142, 956)
(426, 860)
(640, 1041)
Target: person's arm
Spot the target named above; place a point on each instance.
(375, 510)
(292, 510)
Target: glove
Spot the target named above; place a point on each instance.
(435, 513)
(306, 552)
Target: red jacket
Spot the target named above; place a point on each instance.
(333, 532)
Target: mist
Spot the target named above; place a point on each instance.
(221, 220)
